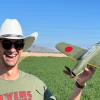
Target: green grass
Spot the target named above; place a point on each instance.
(50, 70)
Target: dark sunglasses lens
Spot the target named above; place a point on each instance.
(7, 44)
(19, 44)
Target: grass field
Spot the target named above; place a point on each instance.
(50, 70)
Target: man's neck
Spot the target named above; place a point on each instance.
(11, 74)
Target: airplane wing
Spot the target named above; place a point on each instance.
(72, 51)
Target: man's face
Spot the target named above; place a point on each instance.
(10, 51)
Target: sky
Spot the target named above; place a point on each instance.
(72, 21)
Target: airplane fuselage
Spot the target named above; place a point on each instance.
(91, 57)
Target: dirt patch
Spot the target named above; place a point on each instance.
(43, 54)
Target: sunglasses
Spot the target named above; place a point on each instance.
(7, 44)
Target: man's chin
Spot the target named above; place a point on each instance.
(10, 65)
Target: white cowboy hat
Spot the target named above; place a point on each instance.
(11, 29)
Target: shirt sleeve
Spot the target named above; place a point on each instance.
(48, 95)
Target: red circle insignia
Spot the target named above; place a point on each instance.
(68, 49)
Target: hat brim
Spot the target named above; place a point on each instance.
(28, 40)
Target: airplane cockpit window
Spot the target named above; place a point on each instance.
(90, 51)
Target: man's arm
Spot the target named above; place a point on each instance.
(76, 94)
(80, 83)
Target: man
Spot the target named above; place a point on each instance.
(14, 83)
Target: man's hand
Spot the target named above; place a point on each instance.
(81, 80)
(86, 75)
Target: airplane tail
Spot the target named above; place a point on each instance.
(69, 72)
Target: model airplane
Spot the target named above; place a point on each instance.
(84, 57)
